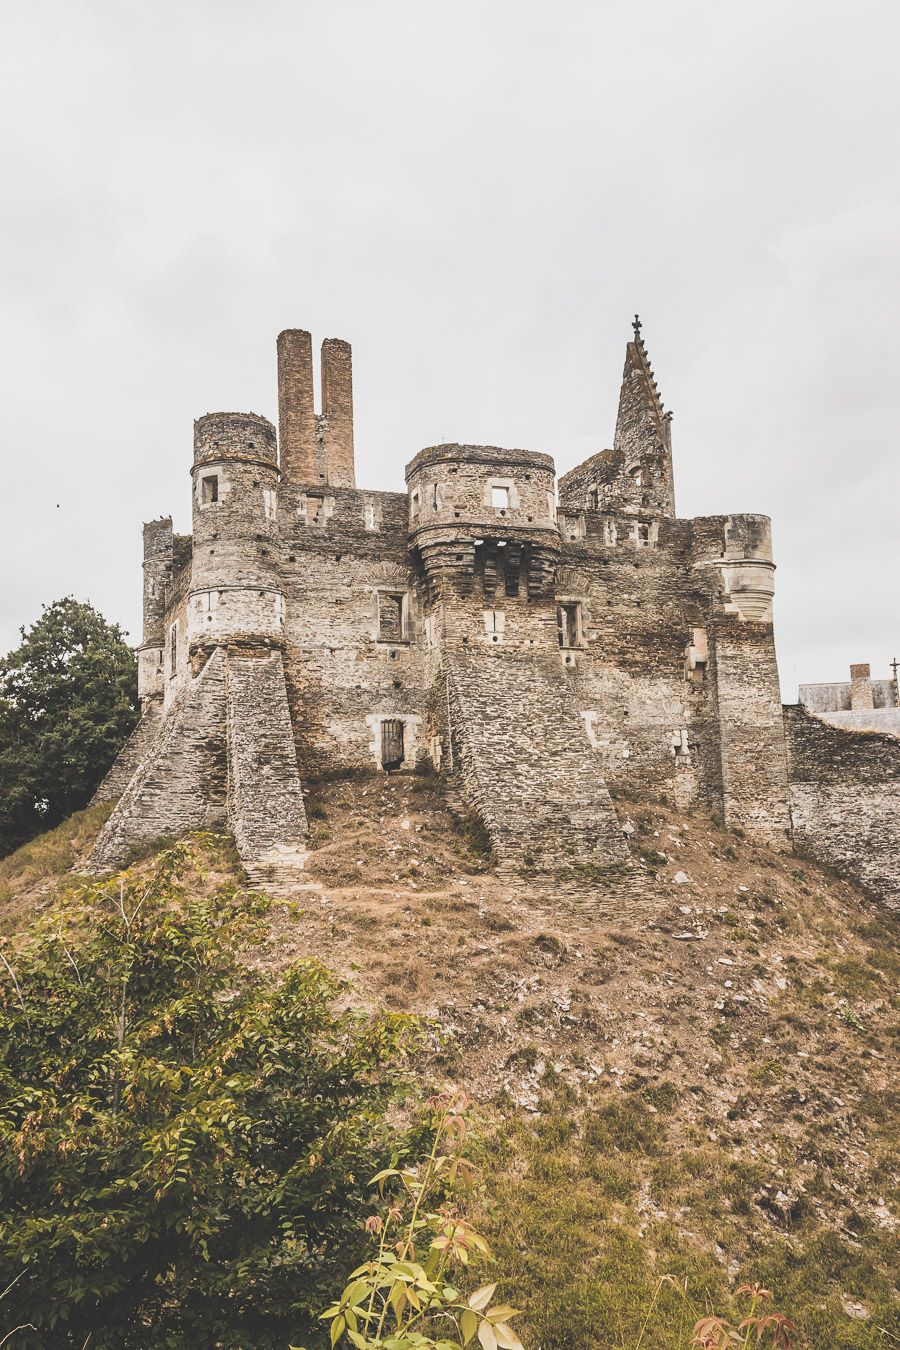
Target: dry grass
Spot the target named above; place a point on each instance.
(652, 1073)
(29, 873)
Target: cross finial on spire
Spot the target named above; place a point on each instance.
(637, 327)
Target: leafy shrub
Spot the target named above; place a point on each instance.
(184, 1139)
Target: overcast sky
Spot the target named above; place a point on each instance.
(478, 196)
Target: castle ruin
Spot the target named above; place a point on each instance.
(538, 644)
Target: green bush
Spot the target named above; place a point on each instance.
(185, 1139)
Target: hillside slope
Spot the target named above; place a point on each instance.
(700, 1081)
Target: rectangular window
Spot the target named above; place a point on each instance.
(568, 622)
(593, 499)
(369, 515)
(500, 498)
(392, 617)
(173, 649)
(314, 506)
(271, 503)
(414, 504)
(643, 532)
(209, 489)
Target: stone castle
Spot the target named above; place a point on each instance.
(538, 644)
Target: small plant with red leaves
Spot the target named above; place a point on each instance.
(405, 1297)
(716, 1333)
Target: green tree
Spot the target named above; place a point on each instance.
(68, 702)
(186, 1139)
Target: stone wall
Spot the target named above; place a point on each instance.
(845, 799)
(345, 560)
(650, 714)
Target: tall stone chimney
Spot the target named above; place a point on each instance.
(337, 412)
(315, 451)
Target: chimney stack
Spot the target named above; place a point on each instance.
(860, 689)
(315, 451)
(337, 411)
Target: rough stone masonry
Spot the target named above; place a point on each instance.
(537, 647)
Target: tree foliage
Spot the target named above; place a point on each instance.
(185, 1139)
(404, 1298)
(68, 702)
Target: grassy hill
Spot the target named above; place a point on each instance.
(697, 1078)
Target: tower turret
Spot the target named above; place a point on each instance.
(479, 507)
(236, 596)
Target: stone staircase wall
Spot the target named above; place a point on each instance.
(180, 784)
(266, 813)
(523, 757)
(133, 752)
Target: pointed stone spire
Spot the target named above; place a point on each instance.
(643, 436)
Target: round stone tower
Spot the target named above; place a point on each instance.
(479, 506)
(739, 547)
(236, 596)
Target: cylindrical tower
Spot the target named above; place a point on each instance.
(464, 498)
(740, 548)
(158, 553)
(236, 595)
